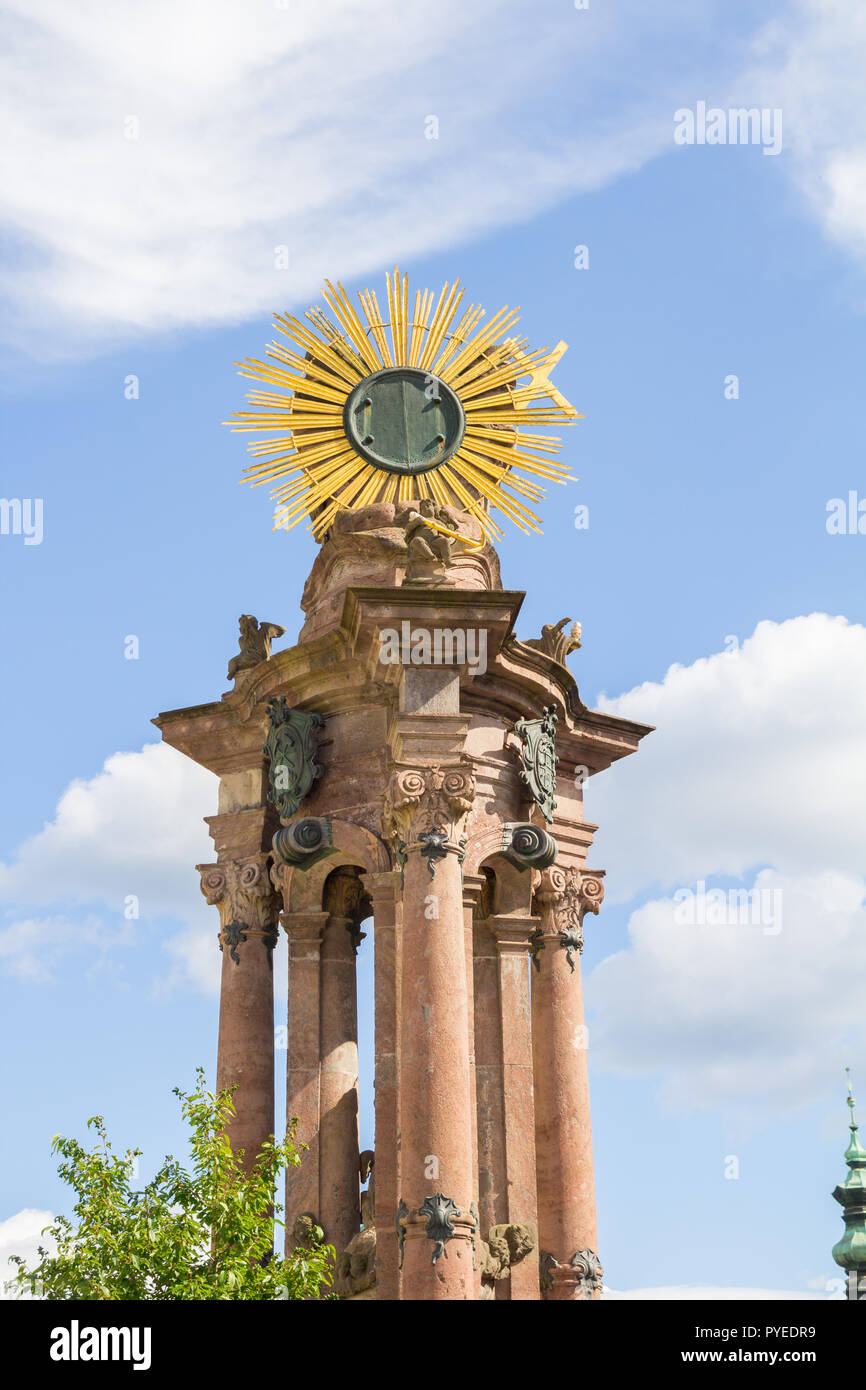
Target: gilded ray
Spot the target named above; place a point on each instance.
(470, 393)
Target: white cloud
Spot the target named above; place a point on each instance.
(302, 125)
(758, 758)
(754, 778)
(30, 947)
(730, 1014)
(810, 63)
(134, 831)
(21, 1235)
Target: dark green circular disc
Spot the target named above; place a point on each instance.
(404, 420)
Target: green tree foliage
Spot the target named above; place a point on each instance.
(204, 1232)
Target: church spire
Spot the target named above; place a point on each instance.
(850, 1250)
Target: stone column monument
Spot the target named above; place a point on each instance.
(410, 760)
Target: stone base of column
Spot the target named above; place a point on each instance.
(440, 1254)
(578, 1281)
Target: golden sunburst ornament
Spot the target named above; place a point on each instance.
(374, 408)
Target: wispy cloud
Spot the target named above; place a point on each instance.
(126, 840)
(753, 781)
(157, 157)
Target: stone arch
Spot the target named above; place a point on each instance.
(353, 847)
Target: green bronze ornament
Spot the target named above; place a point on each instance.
(571, 940)
(399, 1219)
(435, 846)
(291, 752)
(528, 846)
(232, 935)
(536, 946)
(304, 842)
(404, 420)
(538, 755)
(440, 1212)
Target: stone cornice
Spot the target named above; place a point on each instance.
(340, 672)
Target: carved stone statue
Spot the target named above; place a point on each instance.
(504, 1247)
(429, 552)
(355, 1275)
(254, 642)
(556, 643)
(368, 1198)
(304, 1230)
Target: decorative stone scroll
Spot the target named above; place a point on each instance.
(241, 890)
(304, 842)
(528, 846)
(426, 809)
(567, 894)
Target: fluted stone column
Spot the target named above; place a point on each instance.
(248, 907)
(386, 894)
(570, 1268)
(339, 1174)
(426, 810)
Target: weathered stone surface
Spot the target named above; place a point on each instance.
(254, 642)
(563, 1132)
(369, 546)
(356, 1266)
(554, 642)
(505, 1248)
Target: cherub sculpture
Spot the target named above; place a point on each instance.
(429, 552)
(556, 643)
(254, 642)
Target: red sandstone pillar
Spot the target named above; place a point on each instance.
(490, 1118)
(385, 892)
(242, 891)
(570, 1268)
(426, 808)
(472, 889)
(304, 931)
(339, 1174)
(511, 934)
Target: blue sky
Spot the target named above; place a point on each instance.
(700, 582)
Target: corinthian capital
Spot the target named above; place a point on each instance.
(426, 808)
(565, 895)
(242, 892)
